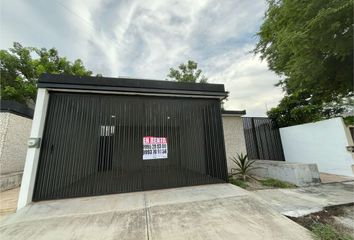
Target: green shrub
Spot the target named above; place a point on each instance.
(244, 166)
(270, 182)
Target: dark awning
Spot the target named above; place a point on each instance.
(128, 85)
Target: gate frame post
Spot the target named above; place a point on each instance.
(32, 157)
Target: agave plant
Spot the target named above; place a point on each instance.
(244, 166)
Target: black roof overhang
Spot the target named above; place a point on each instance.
(130, 86)
(16, 108)
(233, 112)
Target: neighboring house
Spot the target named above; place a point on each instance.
(233, 135)
(96, 135)
(15, 126)
(351, 131)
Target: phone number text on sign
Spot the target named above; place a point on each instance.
(154, 148)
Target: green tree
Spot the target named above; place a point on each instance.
(309, 44)
(295, 109)
(21, 66)
(187, 73)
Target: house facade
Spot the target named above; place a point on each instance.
(94, 136)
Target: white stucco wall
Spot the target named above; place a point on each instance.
(234, 138)
(323, 143)
(4, 122)
(14, 132)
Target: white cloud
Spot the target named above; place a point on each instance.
(145, 38)
(247, 78)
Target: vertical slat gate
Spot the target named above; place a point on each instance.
(262, 138)
(93, 144)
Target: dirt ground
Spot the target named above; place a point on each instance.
(255, 183)
(340, 218)
(330, 178)
(8, 202)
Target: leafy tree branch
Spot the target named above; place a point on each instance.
(310, 45)
(20, 68)
(188, 72)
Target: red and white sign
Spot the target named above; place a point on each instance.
(154, 148)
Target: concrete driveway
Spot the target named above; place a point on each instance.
(220, 211)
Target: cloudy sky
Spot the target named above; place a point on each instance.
(143, 39)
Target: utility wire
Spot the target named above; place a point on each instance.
(75, 14)
(84, 20)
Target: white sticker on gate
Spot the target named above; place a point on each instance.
(154, 148)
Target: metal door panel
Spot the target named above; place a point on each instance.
(93, 144)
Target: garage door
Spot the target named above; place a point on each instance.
(101, 144)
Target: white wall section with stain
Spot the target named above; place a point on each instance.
(234, 138)
(323, 143)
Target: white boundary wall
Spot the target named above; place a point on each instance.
(323, 143)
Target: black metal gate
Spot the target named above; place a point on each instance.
(262, 139)
(93, 144)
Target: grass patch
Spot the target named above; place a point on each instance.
(270, 182)
(238, 182)
(328, 232)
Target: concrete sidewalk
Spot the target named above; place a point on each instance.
(302, 201)
(219, 211)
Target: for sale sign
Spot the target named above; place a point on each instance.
(154, 148)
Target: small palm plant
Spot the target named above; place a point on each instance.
(244, 166)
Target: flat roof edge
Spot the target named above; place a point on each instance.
(130, 91)
(16, 108)
(233, 112)
(140, 85)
